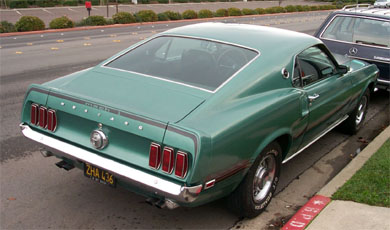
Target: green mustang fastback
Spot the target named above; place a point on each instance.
(199, 112)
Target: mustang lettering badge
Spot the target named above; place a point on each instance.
(98, 139)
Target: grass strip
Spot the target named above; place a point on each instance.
(371, 184)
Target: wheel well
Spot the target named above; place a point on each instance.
(284, 141)
(371, 87)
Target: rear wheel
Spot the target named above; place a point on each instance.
(356, 118)
(256, 190)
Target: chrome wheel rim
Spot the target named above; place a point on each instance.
(264, 177)
(361, 110)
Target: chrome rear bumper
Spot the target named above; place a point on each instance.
(163, 188)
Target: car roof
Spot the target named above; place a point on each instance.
(261, 38)
(365, 10)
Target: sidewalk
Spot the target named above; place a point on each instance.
(321, 212)
(77, 13)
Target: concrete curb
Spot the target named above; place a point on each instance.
(144, 23)
(309, 212)
(355, 164)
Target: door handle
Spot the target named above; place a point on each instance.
(313, 97)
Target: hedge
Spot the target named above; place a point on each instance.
(60, 23)
(29, 23)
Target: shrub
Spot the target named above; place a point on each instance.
(299, 8)
(221, 13)
(279, 9)
(189, 14)
(314, 8)
(29, 23)
(163, 1)
(290, 8)
(18, 4)
(123, 18)
(181, 1)
(47, 3)
(234, 11)
(305, 8)
(162, 17)
(60, 23)
(146, 16)
(7, 27)
(144, 1)
(205, 14)
(247, 11)
(173, 15)
(70, 3)
(94, 21)
(260, 11)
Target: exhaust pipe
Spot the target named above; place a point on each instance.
(64, 165)
(46, 153)
(162, 204)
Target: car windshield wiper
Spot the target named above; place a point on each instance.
(370, 43)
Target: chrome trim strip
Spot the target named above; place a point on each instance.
(367, 59)
(355, 16)
(180, 83)
(318, 137)
(131, 175)
(383, 81)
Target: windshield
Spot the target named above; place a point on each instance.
(200, 63)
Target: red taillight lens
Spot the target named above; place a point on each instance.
(34, 114)
(155, 156)
(51, 120)
(168, 160)
(181, 164)
(42, 117)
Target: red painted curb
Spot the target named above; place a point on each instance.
(142, 23)
(307, 213)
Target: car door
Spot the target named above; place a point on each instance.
(325, 88)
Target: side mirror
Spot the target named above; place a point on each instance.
(343, 69)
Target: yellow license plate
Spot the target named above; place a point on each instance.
(99, 175)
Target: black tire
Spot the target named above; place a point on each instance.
(356, 118)
(249, 200)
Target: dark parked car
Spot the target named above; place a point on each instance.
(360, 32)
(199, 112)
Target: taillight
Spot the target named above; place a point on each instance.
(168, 160)
(181, 164)
(42, 117)
(34, 114)
(51, 120)
(155, 156)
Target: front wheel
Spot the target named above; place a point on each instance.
(255, 192)
(356, 118)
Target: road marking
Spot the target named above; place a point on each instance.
(112, 35)
(72, 10)
(1, 47)
(134, 33)
(18, 12)
(153, 31)
(29, 44)
(18, 52)
(54, 48)
(116, 40)
(87, 38)
(87, 44)
(60, 41)
(102, 31)
(47, 11)
(42, 36)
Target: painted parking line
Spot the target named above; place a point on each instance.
(48, 11)
(18, 12)
(60, 41)
(18, 52)
(54, 48)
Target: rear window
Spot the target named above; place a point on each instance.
(366, 31)
(200, 63)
